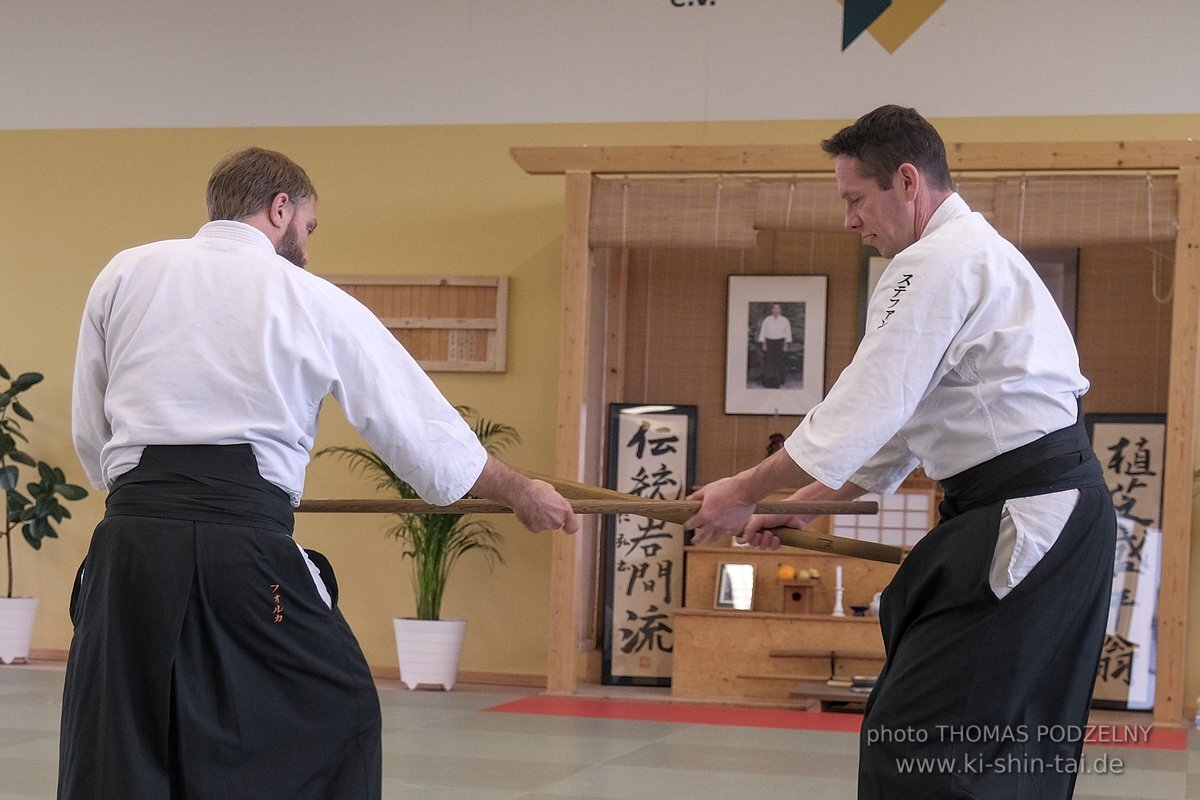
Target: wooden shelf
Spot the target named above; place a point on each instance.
(759, 654)
(859, 654)
(727, 654)
(716, 612)
(787, 678)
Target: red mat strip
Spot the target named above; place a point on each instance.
(693, 713)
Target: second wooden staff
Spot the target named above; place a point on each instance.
(791, 537)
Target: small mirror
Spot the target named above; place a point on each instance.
(735, 586)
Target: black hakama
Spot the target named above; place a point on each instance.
(205, 663)
(774, 370)
(983, 697)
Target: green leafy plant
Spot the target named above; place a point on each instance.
(37, 509)
(434, 542)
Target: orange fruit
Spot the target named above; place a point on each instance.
(786, 572)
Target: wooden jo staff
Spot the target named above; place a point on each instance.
(587, 499)
(790, 537)
(627, 504)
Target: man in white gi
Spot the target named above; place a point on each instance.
(210, 659)
(994, 622)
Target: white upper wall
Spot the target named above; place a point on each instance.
(164, 63)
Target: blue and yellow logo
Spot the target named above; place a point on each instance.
(891, 23)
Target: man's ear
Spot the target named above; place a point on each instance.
(278, 212)
(910, 180)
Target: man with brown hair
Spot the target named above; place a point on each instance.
(993, 623)
(210, 659)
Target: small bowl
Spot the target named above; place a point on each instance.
(859, 611)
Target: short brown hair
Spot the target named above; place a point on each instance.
(889, 136)
(246, 182)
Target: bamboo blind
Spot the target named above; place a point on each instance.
(1066, 210)
(715, 213)
(1031, 211)
(799, 204)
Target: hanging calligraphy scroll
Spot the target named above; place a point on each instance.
(1130, 450)
(651, 454)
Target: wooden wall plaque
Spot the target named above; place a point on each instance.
(448, 324)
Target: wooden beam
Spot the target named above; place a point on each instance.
(1022, 156)
(1179, 457)
(981, 156)
(561, 677)
(672, 159)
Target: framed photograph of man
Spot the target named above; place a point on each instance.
(775, 344)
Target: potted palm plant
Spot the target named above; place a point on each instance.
(428, 647)
(35, 511)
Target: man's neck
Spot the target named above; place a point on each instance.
(927, 206)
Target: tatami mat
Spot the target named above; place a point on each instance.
(497, 743)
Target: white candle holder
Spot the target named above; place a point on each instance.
(838, 611)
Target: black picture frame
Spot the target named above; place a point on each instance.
(623, 662)
(775, 376)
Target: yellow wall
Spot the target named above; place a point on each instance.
(394, 200)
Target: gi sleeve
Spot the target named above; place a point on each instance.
(913, 316)
(886, 470)
(390, 400)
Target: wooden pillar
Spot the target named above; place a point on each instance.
(1179, 458)
(561, 667)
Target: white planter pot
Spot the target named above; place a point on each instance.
(16, 627)
(429, 650)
